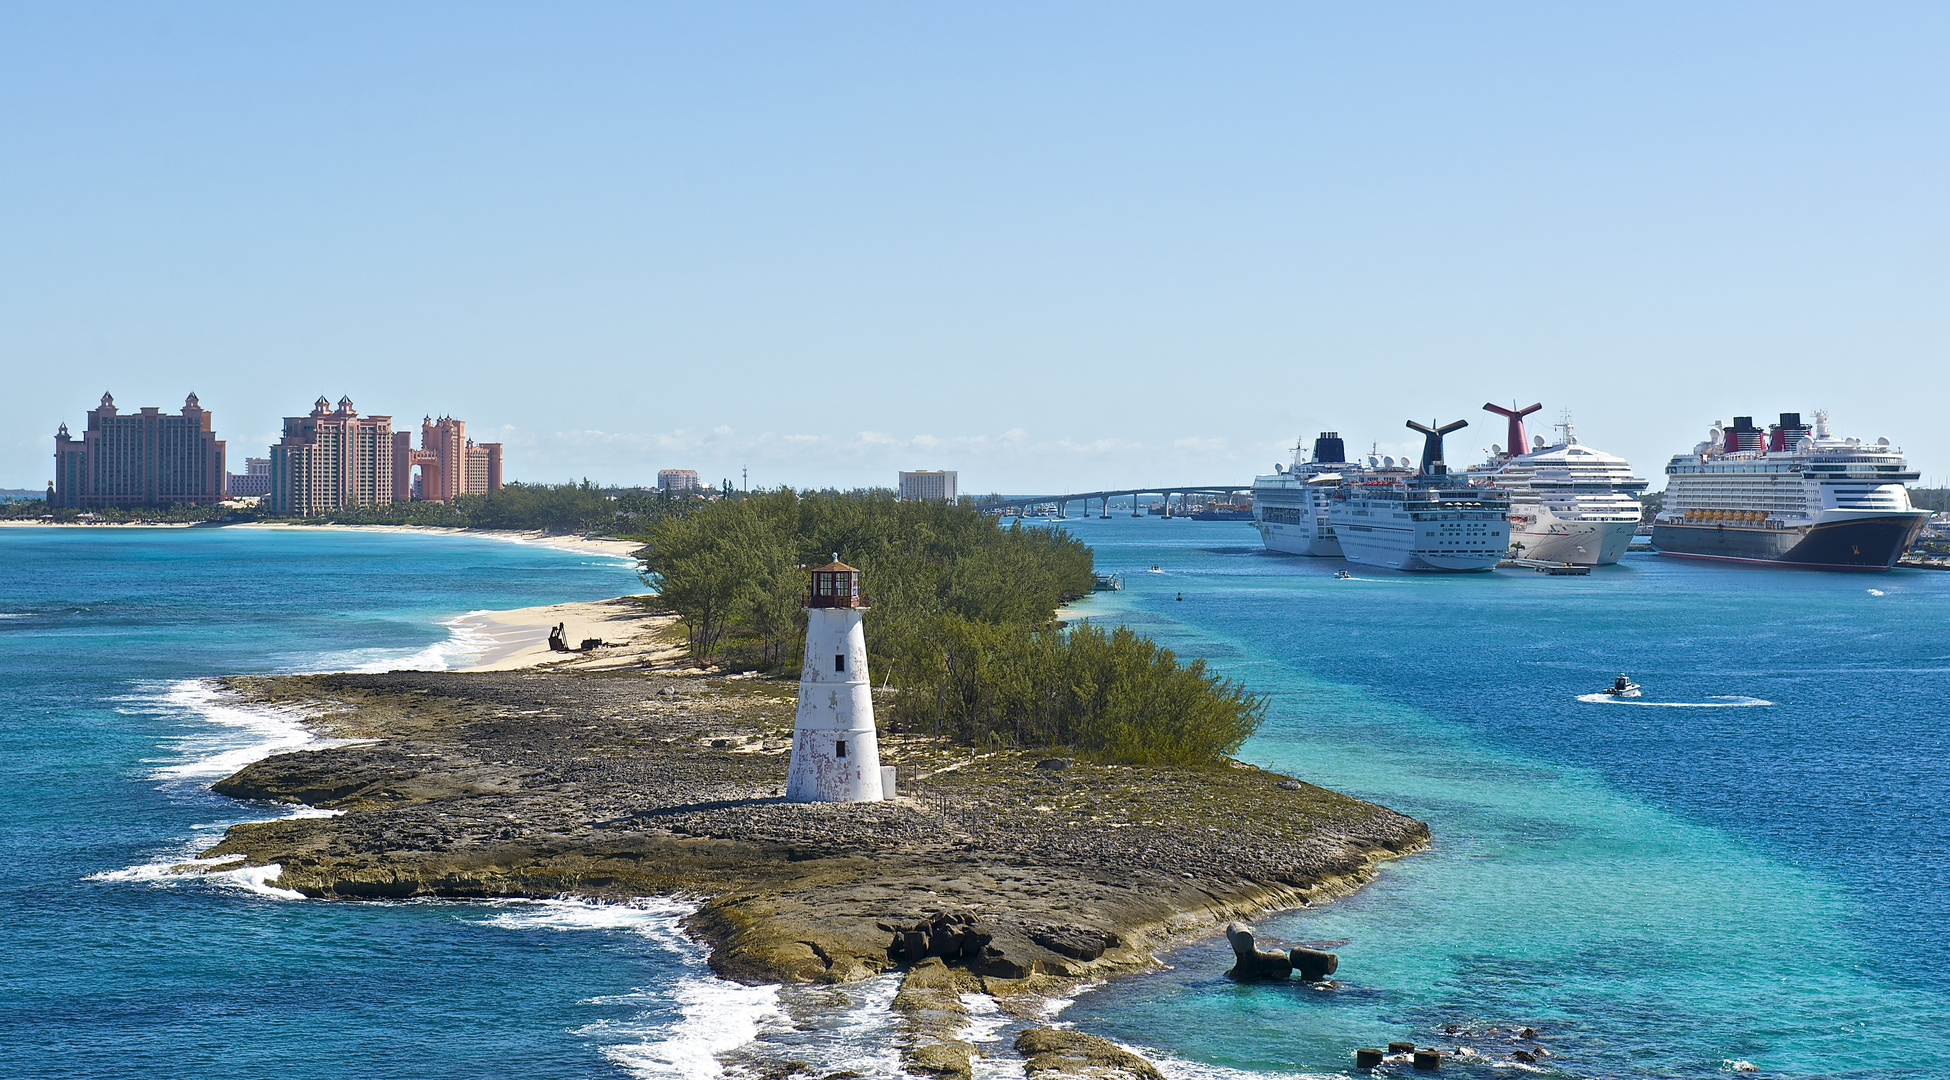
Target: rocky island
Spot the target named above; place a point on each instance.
(1001, 871)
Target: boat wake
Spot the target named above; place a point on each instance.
(1719, 701)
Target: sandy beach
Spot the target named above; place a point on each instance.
(630, 634)
(622, 549)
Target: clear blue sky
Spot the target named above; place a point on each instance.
(1053, 246)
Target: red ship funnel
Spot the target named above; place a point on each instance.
(1518, 444)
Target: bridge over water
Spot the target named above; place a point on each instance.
(1103, 498)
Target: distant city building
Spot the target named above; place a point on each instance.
(678, 480)
(332, 460)
(925, 484)
(142, 459)
(450, 463)
(255, 480)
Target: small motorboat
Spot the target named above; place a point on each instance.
(1343, 575)
(1622, 687)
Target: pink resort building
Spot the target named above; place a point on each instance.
(332, 460)
(336, 460)
(144, 458)
(450, 463)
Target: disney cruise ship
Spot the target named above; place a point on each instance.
(1432, 521)
(1791, 495)
(1569, 503)
(1290, 503)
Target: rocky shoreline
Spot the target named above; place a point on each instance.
(993, 872)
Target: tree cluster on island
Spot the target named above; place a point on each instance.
(963, 632)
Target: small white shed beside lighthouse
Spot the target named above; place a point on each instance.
(835, 752)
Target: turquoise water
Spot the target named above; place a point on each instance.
(114, 967)
(1744, 868)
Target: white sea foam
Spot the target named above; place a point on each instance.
(1176, 1068)
(1877, 592)
(469, 638)
(231, 735)
(653, 917)
(237, 734)
(845, 1029)
(1719, 701)
(182, 867)
(986, 1023)
(714, 1016)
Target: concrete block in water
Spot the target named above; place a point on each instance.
(1312, 964)
(1367, 1058)
(1427, 1059)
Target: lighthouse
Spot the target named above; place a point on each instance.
(835, 752)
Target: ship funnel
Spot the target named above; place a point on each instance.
(1516, 415)
(1432, 463)
(1330, 447)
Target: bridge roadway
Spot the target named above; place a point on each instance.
(1103, 498)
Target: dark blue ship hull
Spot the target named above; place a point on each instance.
(1868, 543)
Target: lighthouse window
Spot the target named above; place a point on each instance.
(839, 661)
(839, 748)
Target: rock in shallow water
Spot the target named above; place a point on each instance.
(1052, 1054)
(1253, 961)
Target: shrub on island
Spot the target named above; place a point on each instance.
(963, 627)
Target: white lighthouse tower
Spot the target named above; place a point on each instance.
(835, 752)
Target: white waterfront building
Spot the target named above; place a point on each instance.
(926, 484)
(835, 751)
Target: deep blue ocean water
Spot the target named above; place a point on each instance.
(1745, 867)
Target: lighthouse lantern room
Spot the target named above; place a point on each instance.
(835, 751)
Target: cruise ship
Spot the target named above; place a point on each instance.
(1791, 495)
(1290, 503)
(1431, 521)
(1569, 503)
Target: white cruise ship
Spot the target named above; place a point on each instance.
(1432, 521)
(1569, 503)
(1290, 503)
(1791, 495)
